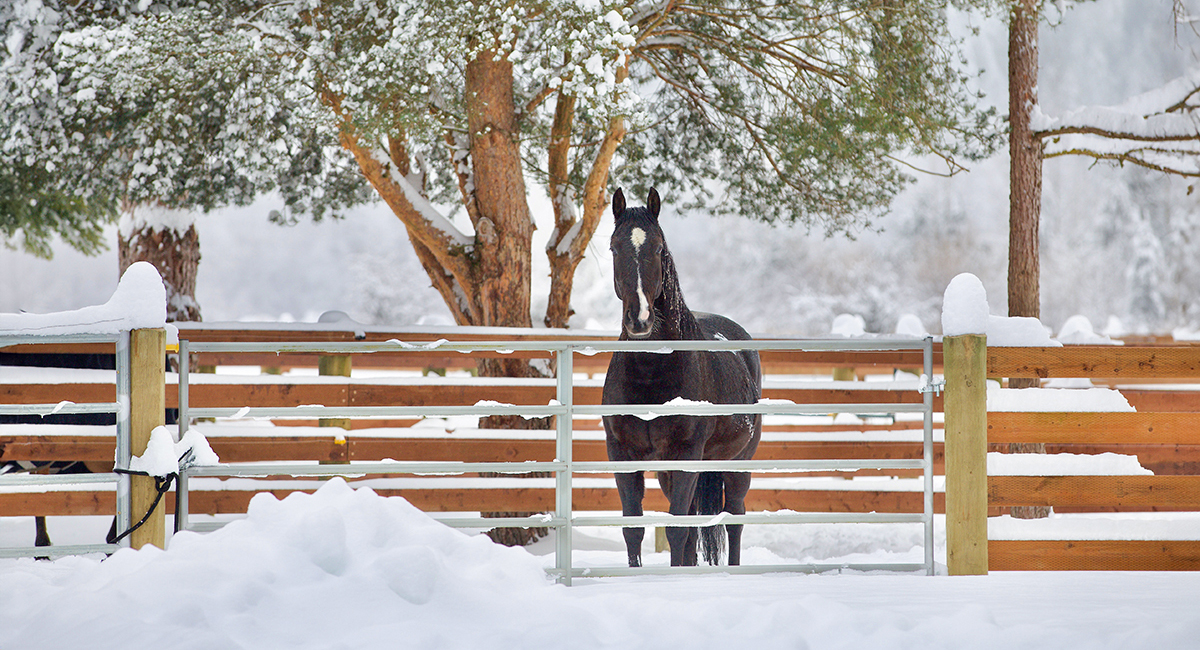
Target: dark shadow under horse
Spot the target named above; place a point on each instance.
(653, 309)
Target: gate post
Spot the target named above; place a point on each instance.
(147, 403)
(965, 405)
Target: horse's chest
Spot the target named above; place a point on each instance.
(661, 438)
(649, 378)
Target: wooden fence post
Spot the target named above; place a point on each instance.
(336, 366)
(965, 359)
(147, 403)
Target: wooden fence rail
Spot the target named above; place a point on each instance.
(1164, 433)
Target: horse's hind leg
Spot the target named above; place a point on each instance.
(41, 536)
(681, 492)
(631, 486)
(737, 484)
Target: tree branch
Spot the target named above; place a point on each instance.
(1130, 157)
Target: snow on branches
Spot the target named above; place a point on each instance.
(1159, 129)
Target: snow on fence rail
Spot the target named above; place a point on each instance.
(564, 467)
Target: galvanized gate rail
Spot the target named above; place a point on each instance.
(120, 407)
(563, 467)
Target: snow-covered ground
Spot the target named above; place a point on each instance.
(349, 569)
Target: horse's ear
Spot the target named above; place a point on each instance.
(618, 205)
(653, 204)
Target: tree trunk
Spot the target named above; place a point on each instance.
(503, 237)
(1025, 162)
(174, 252)
(1025, 191)
(484, 281)
(504, 228)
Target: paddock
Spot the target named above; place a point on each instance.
(824, 468)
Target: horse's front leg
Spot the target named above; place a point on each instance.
(631, 486)
(680, 489)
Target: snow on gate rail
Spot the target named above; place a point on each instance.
(563, 467)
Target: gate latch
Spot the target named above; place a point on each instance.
(936, 386)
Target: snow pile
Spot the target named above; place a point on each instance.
(155, 218)
(349, 569)
(964, 307)
(163, 455)
(1106, 464)
(1186, 334)
(848, 325)
(911, 325)
(965, 311)
(1078, 331)
(1132, 526)
(1018, 331)
(140, 302)
(295, 573)
(1098, 400)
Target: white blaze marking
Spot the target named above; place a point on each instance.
(637, 237)
(644, 313)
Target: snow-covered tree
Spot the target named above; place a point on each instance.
(789, 112)
(1146, 302)
(185, 135)
(782, 111)
(1157, 130)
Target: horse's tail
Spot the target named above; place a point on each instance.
(710, 497)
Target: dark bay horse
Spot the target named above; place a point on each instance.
(653, 309)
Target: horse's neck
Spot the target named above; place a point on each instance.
(678, 323)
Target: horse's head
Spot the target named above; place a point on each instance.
(637, 247)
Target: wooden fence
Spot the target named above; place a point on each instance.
(1163, 434)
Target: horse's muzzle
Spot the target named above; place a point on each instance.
(636, 328)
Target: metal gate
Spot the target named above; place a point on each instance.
(563, 519)
(120, 407)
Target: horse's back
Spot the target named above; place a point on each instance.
(716, 327)
(715, 324)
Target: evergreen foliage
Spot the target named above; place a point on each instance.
(797, 111)
(31, 214)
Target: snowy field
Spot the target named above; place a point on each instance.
(349, 569)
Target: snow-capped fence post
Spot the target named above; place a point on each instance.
(147, 404)
(965, 363)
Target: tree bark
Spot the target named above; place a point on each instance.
(175, 254)
(503, 235)
(1025, 161)
(1025, 191)
(485, 282)
(504, 229)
